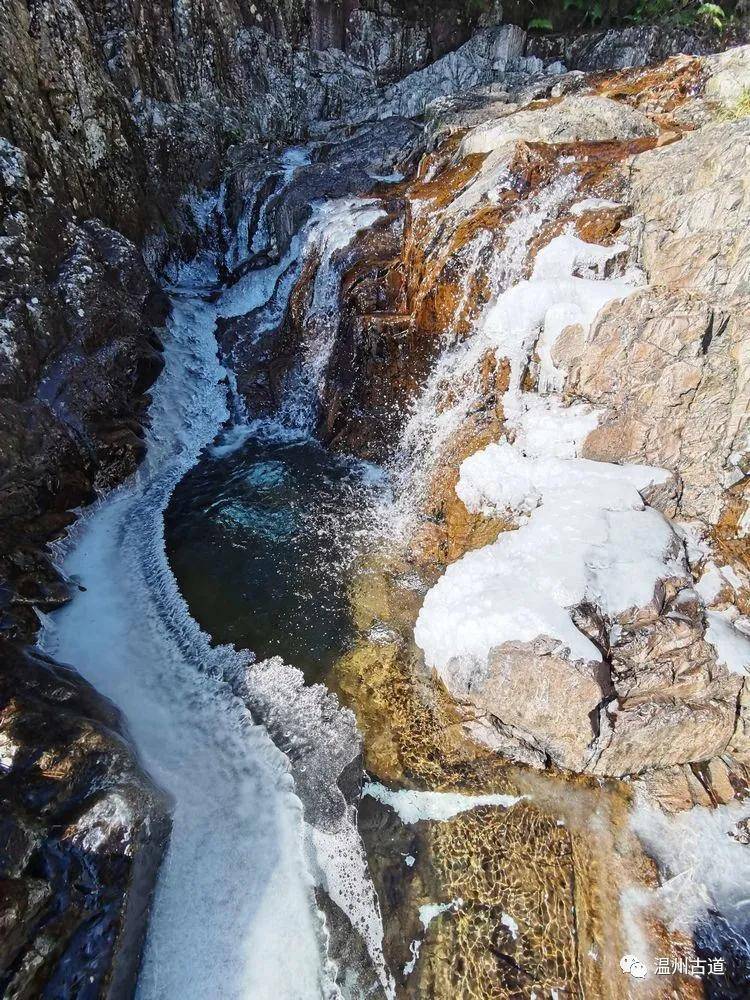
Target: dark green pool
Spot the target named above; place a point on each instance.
(261, 535)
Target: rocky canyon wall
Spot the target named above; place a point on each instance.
(112, 113)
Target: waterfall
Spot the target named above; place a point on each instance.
(235, 743)
(331, 229)
(454, 389)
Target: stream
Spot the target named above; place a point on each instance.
(255, 542)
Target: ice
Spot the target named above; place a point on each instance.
(440, 411)
(234, 914)
(585, 533)
(693, 534)
(507, 921)
(593, 205)
(588, 536)
(715, 578)
(546, 427)
(732, 647)
(566, 286)
(705, 871)
(429, 911)
(415, 806)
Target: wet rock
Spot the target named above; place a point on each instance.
(82, 833)
(79, 318)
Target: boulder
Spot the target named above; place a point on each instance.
(82, 833)
(671, 368)
(694, 199)
(729, 78)
(535, 697)
(574, 119)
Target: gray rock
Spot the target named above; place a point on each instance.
(729, 76)
(619, 48)
(389, 47)
(480, 60)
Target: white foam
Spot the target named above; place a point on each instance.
(333, 226)
(234, 913)
(414, 806)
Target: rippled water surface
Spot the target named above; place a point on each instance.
(260, 538)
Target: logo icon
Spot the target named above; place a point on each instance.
(633, 966)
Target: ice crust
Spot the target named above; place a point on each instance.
(732, 647)
(585, 532)
(414, 806)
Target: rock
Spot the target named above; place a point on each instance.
(619, 48)
(729, 77)
(694, 198)
(480, 60)
(535, 694)
(574, 119)
(689, 418)
(661, 733)
(389, 47)
(83, 831)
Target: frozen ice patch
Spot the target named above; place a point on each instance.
(413, 806)
(732, 647)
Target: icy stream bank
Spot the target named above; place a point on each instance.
(235, 913)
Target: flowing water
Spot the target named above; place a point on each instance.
(234, 913)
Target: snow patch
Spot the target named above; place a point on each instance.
(585, 533)
(588, 537)
(732, 647)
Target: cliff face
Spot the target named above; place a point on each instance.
(641, 182)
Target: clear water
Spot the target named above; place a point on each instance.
(261, 540)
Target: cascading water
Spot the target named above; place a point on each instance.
(332, 229)
(234, 913)
(439, 411)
